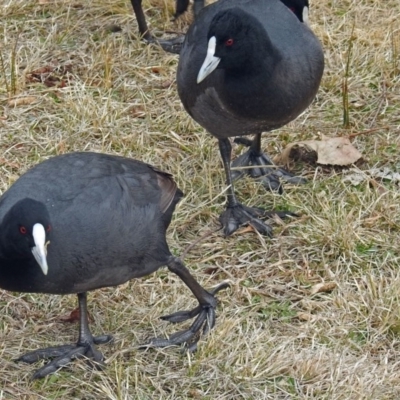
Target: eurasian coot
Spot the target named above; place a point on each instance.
(246, 67)
(82, 221)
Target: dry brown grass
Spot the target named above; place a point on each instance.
(274, 338)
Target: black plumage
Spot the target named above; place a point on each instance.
(103, 220)
(247, 67)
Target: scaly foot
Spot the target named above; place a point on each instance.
(63, 355)
(204, 322)
(234, 217)
(173, 45)
(263, 169)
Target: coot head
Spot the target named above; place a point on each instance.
(236, 42)
(25, 230)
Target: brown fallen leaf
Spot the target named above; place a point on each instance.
(14, 165)
(22, 101)
(51, 75)
(329, 151)
(372, 219)
(74, 316)
(323, 287)
(166, 84)
(245, 229)
(61, 147)
(304, 316)
(138, 111)
(42, 70)
(377, 186)
(113, 28)
(211, 270)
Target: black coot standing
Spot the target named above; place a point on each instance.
(299, 7)
(246, 67)
(83, 221)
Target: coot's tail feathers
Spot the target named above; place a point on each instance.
(170, 193)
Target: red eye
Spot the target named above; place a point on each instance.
(48, 229)
(229, 42)
(23, 230)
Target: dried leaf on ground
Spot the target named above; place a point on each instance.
(323, 287)
(74, 316)
(329, 151)
(304, 316)
(22, 101)
(374, 176)
(51, 75)
(10, 164)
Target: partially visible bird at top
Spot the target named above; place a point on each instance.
(299, 8)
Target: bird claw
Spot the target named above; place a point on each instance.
(204, 322)
(41, 354)
(234, 217)
(280, 173)
(103, 339)
(181, 316)
(59, 362)
(63, 355)
(173, 45)
(263, 169)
